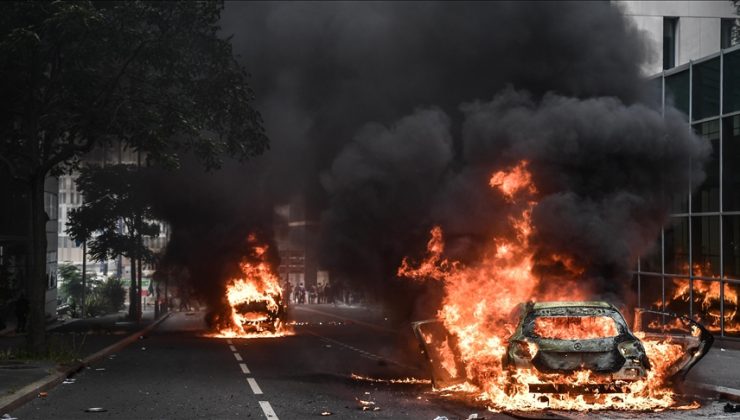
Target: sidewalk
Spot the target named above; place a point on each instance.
(719, 371)
(82, 338)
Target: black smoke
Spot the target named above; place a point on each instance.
(389, 117)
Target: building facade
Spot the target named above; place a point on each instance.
(14, 243)
(694, 267)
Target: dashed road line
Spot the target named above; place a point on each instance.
(228, 341)
(253, 384)
(267, 409)
(232, 348)
(238, 357)
(244, 368)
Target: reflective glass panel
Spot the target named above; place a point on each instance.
(731, 239)
(677, 295)
(706, 304)
(731, 162)
(705, 246)
(650, 261)
(677, 246)
(677, 91)
(731, 311)
(706, 197)
(731, 82)
(705, 95)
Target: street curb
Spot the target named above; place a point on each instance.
(31, 391)
(720, 391)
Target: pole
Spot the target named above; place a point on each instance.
(84, 274)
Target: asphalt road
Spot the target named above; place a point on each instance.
(178, 373)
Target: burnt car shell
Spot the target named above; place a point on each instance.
(617, 357)
(259, 316)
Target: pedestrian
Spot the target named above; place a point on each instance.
(21, 313)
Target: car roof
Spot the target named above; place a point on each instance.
(582, 304)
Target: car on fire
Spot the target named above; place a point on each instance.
(564, 337)
(560, 338)
(265, 313)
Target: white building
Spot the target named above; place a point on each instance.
(680, 31)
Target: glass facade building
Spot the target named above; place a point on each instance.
(694, 268)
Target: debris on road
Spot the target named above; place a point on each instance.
(100, 369)
(7, 416)
(365, 405)
(327, 413)
(95, 410)
(43, 394)
(732, 408)
(441, 418)
(69, 381)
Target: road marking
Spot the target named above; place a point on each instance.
(232, 348)
(267, 409)
(253, 384)
(238, 357)
(244, 367)
(229, 341)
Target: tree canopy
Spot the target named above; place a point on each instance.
(74, 75)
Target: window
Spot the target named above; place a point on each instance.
(669, 42)
(731, 157)
(677, 91)
(705, 246)
(706, 197)
(651, 261)
(677, 246)
(729, 34)
(731, 82)
(705, 102)
(731, 238)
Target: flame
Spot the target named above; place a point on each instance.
(707, 299)
(575, 327)
(476, 312)
(409, 381)
(257, 286)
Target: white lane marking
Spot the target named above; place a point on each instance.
(238, 357)
(267, 409)
(232, 348)
(253, 384)
(229, 341)
(244, 367)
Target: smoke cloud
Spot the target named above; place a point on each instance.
(389, 118)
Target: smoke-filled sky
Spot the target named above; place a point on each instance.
(390, 117)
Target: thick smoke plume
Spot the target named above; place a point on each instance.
(390, 117)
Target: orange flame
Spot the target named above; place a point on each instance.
(479, 299)
(258, 286)
(707, 299)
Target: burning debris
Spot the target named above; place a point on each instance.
(406, 381)
(254, 301)
(561, 355)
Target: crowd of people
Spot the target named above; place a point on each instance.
(319, 293)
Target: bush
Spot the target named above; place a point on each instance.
(112, 294)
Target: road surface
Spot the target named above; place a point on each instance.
(177, 372)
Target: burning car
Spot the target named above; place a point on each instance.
(565, 337)
(260, 313)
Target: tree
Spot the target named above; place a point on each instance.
(72, 287)
(75, 75)
(114, 196)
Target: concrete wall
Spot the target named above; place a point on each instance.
(698, 30)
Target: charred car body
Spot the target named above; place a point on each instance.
(262, 314)
(564, 337)
(560, 338)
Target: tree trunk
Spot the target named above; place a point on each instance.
(138, 288)
(36, 280)
(132, 311)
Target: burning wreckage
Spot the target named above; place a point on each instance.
(554, 341)
(254, 305)
(559, 350)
